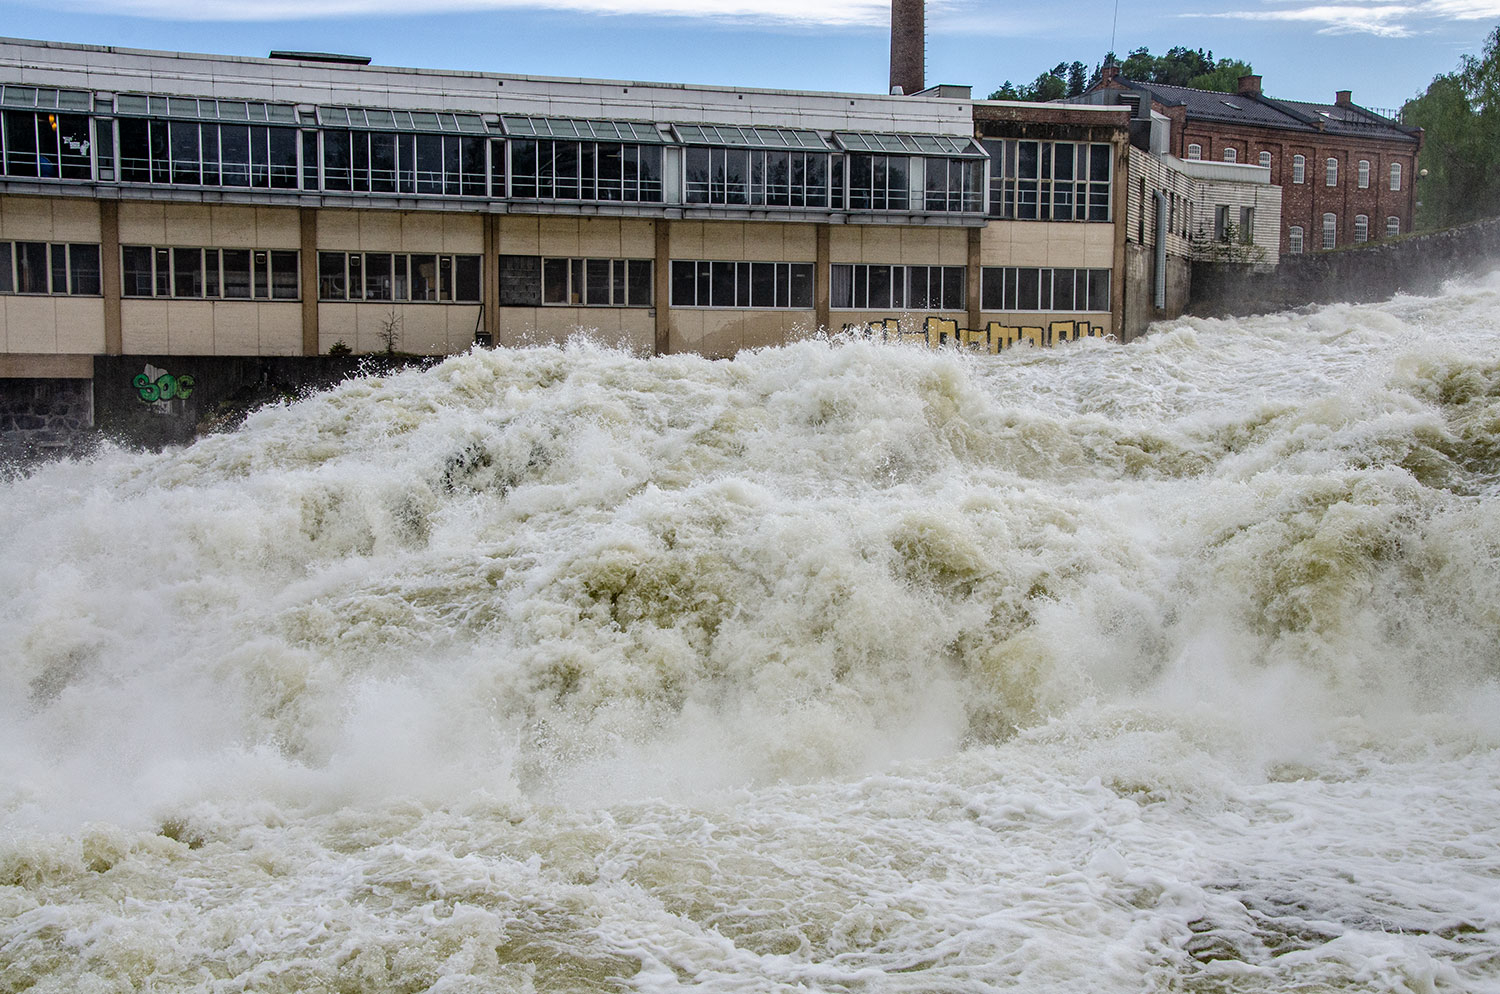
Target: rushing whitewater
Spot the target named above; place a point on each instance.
(837, 667)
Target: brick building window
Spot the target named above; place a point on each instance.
(1392, 227)
(1195, 151)
(1330, 230)
(1294, 240)
(1332, 172)
(1299, 169)
(1395, 175)
(1265, 159)
(1230, 155)
(1361, 228)
(1364, 174)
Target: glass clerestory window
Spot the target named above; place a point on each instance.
(882, 288)
(1010, 288)
(554, 169)
(392, 162)
(915, 183)
(45, 144)
(743, 285)
(1050, 181)
(199, 273)
(756, 177)
(197, 153)
(49, 267)
(409, 277)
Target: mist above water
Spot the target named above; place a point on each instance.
(840, 664)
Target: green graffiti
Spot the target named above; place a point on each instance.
(164, 387)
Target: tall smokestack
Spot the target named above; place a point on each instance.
(908, 45)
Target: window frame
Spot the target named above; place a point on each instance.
(1299, 170)
(74, 262)
(794, 286)
(271, 275)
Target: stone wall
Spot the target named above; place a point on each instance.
(1377, 271)
(44, 417)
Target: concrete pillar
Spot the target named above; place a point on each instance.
(1119, 200)
(976, 235)
(822, 277)
(662, 295)
(309, 224)
(490, 294)
(908, 45)
(109, 275)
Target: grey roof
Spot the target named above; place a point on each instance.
(948, 145)
(1268, 112)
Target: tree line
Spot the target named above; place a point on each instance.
(1180, 66)
(1460, 160)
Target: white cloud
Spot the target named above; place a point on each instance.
(1387, 20)
(853, 13)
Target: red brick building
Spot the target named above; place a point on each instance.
(1347, 175)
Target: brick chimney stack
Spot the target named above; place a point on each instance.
(1249, 86)
(1108, 73)
(908, 45)
(1344, 98)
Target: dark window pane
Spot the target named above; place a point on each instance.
(1029, 290)
(74, 145)
(684, 285)
(163, 272)
(260, 158)
(802, 285)
(59, 269)
(210, 272)
(104, 139)
(989, 289)
(597, 282)
(641, 275)
(309, 160)
(331, 279)
(1098, 288)
(763, 284)
(135, 152)
(471, 167)
(520, 280)
(721, 291)
(377, 276)
(697, 176)
(424, 277)
(136, 270)
(879, 288)
(466, 279)
(185, 161)
(187, 272)
(284, 275)
(1062, 290)
(20, 143)
(7, 272)
(382, 165)
(260, 277)
(954, 278)
(406, 163)
(234, 155)
(651, 190)
(841, 286)
(429, 164)
(565, 169)
(554, 281)
(523, 165)
(336, 162)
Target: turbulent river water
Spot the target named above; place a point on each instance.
(838, 667)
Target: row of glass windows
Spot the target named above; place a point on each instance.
(208, 273)
(536, 281)
(881, 288)
(45, 145)
(1030, 180)
(49, 267)
(1299, 167)
(1024, 288)
(417, 277)
(208, 154)
(580, 170)
(380, 162)
(1296, 237)
(1049, 181)
(533, 281)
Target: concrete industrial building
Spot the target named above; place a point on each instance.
(172, 204)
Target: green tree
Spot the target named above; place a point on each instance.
(1460, 113)
(1181, 66)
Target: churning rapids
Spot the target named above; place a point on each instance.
(838, 667)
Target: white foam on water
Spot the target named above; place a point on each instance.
(836, 667)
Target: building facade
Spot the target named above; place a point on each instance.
(1347, 175)
(173, 204)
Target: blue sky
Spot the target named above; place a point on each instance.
(1384, 50)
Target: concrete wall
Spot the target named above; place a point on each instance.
(1371, 272)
